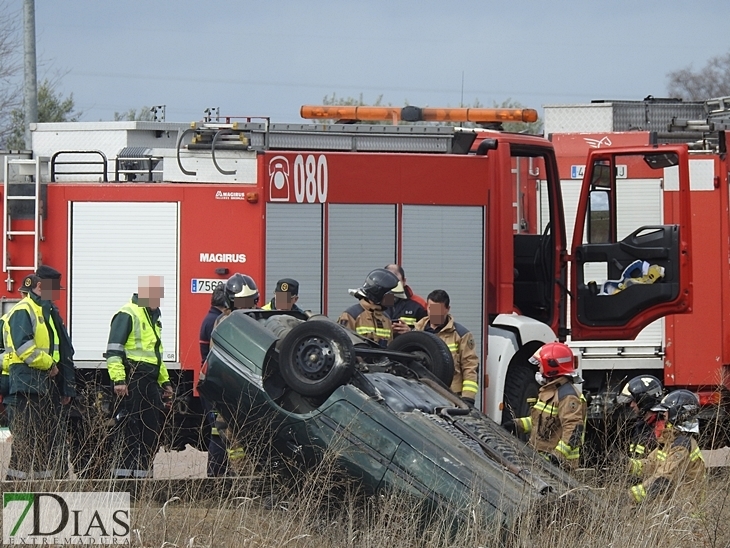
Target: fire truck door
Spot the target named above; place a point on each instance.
(647, 273)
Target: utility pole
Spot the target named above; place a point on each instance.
(31, 77)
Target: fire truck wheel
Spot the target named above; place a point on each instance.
(316, 357)
(431, 351)
(520, 387)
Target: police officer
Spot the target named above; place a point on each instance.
(285, 297)
(63, 387)
(677, 463)
(642, 394)
(32, 333)
(557, 421)
(368, 318)
(134, 361)
(459, 340)
(406, 311)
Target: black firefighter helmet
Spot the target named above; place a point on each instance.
(377, 284)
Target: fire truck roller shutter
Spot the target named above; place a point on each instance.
(294, 250)
(639, 203)
(361, 238)
(110, 249)
(443, 248)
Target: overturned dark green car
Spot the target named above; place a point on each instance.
(310, 386)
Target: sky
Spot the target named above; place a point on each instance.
(269, 57)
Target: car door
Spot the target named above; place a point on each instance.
(625, 276)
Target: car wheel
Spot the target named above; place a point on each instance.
(430, 350)
(316, 357)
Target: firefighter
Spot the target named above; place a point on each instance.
(401, 275)
(134, 361)
(285, 297)
(406, 310)
(216, 451)
(677, 463)
(239, 292)
(642, 394)
(367, 318)
(33, 334)
(459, 340)
(557, 421)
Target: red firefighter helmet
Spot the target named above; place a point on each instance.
(554, 359)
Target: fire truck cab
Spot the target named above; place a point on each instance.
(685, 351)
(476, 212)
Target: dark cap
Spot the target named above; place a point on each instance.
(46, 272)
(287, 285)
(29, 282)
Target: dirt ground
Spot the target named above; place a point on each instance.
(189, 463)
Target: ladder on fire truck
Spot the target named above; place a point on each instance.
(16, 173)
(712, 129)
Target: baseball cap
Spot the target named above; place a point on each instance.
(287, 285)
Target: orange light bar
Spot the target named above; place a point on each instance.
(415, 114)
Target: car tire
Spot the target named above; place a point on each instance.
(520, 387)
(432, 352)
(316, 357)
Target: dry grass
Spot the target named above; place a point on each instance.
(320, 510)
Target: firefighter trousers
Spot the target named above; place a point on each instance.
(142, 423)
(217, 454)
(33, 425)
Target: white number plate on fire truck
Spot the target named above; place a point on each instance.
(203, 285)
(577, 172)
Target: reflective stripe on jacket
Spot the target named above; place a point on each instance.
(461, 344)
(557, 421)
(142, 342)
(29, 338)
(677, 464)
(369, 321)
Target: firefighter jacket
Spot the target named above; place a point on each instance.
(368, 320)
(557, 422)
(407, 311)
(676, 464)
(412, 296)
(31, 346)
(461, 344)
(643, 438)
(206, 329)
(135, 336)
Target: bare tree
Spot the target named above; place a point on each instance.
(713, 80)
(11, 67)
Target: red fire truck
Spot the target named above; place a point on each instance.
(689, 351)
(476, 212)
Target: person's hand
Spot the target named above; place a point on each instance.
(510, 426)
(121, 390)
(65, 400)
(400, 327)
(553, 459)
(167, 395)
(467, 400)
(53, 371)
